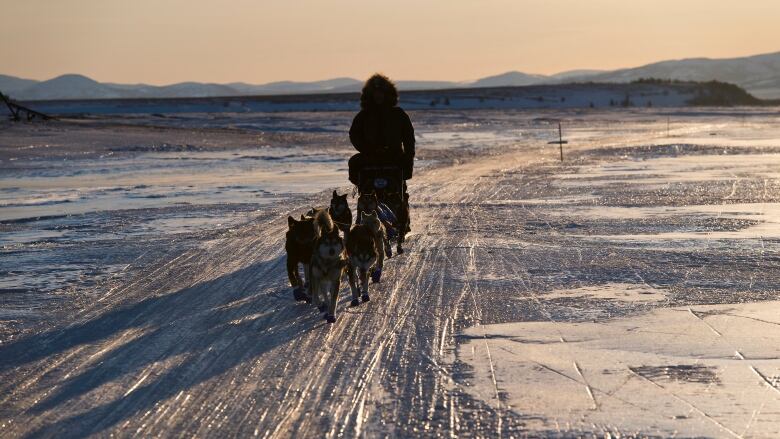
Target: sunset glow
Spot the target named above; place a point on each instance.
(160, 42)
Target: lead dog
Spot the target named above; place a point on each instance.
(328, 263)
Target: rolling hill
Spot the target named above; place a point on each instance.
(759, 75)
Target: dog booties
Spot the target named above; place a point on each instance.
(376, 275)
(299, 294)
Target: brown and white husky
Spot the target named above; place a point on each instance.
(328, 262)
(362, 257)
(371, 220)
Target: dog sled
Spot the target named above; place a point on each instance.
(388, 184)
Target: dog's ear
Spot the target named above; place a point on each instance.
(290, 221)
(344, 197)
(335, 195)
(303, 218)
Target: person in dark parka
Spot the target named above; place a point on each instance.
(381, 132)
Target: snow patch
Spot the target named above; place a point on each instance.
(665, 373)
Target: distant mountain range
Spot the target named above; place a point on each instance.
(759, 74)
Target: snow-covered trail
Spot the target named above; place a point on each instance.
(209, 342)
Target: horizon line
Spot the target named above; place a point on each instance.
(466, 81)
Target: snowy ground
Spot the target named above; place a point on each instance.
(631, 290)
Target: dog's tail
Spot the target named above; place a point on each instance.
(323, 223)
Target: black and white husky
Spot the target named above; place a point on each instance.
(299, 246)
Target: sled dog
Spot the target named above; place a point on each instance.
(299, 246)
(362, 258)
(323, 223)
(371, 220)
(367, 202)
(340, 213)
(399, 203)
(328, 263)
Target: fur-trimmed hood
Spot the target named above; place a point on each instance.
(382, 82)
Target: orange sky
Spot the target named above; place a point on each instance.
(257, 41)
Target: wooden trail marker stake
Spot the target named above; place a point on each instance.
(560, 140)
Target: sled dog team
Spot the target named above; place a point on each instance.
(327, 244)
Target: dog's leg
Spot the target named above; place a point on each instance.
(292, 273)
(334, 298)
(376, 274)
(388, 249)
(315, 284)
(322, 295)
(295, 279)
(319, 277)
(322, 286)
(353, 286)
(314, 291)
(401, 237)
(307, 281)
(408, 222)
(403, 228)
(364, 282)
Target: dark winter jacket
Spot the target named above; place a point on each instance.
(383, 132)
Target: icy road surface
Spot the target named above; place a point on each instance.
(631, 290)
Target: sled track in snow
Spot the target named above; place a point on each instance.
(209, 342)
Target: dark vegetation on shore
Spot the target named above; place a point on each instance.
(633, 94)
(713, 93)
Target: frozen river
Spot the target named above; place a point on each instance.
(630, 290)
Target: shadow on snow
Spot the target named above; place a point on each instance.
(214, 325)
